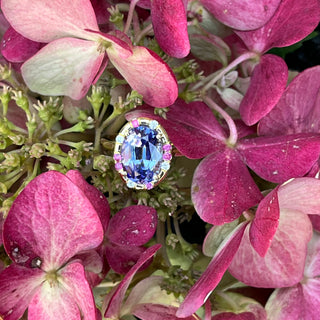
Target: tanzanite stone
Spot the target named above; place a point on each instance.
(142, 154)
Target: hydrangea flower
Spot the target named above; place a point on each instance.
(222, 186)
(77, 52)
(50, 222)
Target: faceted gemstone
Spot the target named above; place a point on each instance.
(142, 154)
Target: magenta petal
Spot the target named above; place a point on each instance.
(16, 48)
(193, 135)
(234, 316)
(265, 223)
(50, 220)
(154, 311)
(96, 197)
(134, 225)
(293, 21)
(268, 81)
(213, 274)
(65, 66)
(242, 15)
(283, 265)
(148, 75)
(114, 302)
(169, 20)
(222, 188)
(17, 287)
(122, 258)
(298, 110)
(50, 20)
(278, 159)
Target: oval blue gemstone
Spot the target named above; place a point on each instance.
(141, 154)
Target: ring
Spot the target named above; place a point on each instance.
(142, 153)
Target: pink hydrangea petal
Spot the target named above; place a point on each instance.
(298, 110)
(50, 220)
(122, 258)
(148, 75)
(169, 20)
(16, 48)
(242, 15)
(280, 158)
(96, 197)
(301, 194)
(63, 67)
(283, 265)
(114, 300)
(315, 220)
(193, 135)
(46, 21)
(155, 311)
(213, 273)
(312, 268)
(297, 302)
(268, 82)
(265, 223)
(293, 21)
(222, 188)
(134, 225)
(17, 287)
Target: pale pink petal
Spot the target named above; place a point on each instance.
(169, 20)
(268, 81)
(301, 194)
(242, 15)
(113, 305)
(312, 268)
(134, 225)
(265, 223)
(301, 301)
(16, 48)
(213, 273)
(193, 135)
(293, 21)
(48, 20)
(63, 67)
(222, 188)
(96, 197)
(298, 110)
(148, 75)
(280, 158)
(51, 220)
(158, 312)
(283, 265)
(17, 287)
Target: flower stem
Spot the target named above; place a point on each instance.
(130, 15)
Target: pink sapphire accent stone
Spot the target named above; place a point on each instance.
(118, 166)
(135, 123)
(117, 157)
(167, 147)
(149, 185)
(167, 156)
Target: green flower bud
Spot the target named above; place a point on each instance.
(37, 150)
(102, 163)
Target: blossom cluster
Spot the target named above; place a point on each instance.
(76, 242)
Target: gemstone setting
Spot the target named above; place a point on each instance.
(142, 153)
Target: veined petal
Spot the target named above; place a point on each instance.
(48, 20)
(134, 225)
(283, 265)
(63, 67)
(213, 274)
(51, 220)
(17, 287)
(268, 82)
(222, 188)
(148, 75)
(242, 14)
(169, 20)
